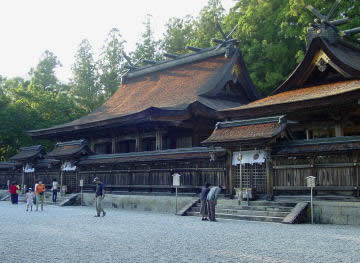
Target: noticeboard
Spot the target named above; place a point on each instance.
(310, 181)
(176, 179)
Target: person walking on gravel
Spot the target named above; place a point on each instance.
(212, 201)
(54, 190)
(99, 197)
(204, 207)
(40, 195)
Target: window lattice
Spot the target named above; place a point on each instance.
(253, 176)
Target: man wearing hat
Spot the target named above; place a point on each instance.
(99, 196)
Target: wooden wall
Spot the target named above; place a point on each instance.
(157, 175)
(332, 172)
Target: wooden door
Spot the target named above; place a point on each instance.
(251, 176)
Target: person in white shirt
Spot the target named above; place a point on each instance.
(29, 199)
(54, 190)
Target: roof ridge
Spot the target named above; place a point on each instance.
(32, 148)
(74, 142)
(262, 120)
(184, 59)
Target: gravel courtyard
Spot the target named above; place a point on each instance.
(72, 234)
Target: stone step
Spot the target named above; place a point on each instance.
(246, 212)
(270, 203)
(257, 208)
(244, 217)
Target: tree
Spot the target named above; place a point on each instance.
(44, 73)
(84, 85)
(179, 34)
(272, 35)
(111, 62)
(27, 107)
(204, 26)
(148, 47)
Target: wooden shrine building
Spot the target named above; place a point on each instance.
(316, 128)
(154, 124)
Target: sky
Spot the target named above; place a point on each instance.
(29, 27)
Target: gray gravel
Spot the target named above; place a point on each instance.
(72, 234)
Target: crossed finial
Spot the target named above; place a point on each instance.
(226, 38)
(323, 25)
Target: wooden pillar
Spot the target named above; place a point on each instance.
(196, 138)
(138, 143)
(159, 143)
(113, 144)
(230, 171)
(23, 177)
(313, 169)
(61, 178)
(338, 130)
(307, 134)
(269, 173)
(92, 144)
(355, 160)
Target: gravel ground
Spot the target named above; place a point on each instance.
(72, 234)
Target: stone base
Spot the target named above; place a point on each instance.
(162, 204)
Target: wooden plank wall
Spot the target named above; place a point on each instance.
(158, 174)
(9, 175)
(341, 170)
(194, 174)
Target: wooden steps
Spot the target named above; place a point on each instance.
(264, 211)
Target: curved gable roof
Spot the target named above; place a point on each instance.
(172, 86)
(344, 58)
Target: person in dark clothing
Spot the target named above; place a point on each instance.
(99, 197)
(203, 195)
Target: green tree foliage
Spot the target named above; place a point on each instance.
(204, 26)
(148, 47)
(84, 85)
(178, 35)
(44, 73)
(271, 34)
(111, 62)
(26, 105)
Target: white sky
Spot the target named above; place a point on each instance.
(29, 27)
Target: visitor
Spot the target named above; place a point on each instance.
(99, 197)
(204, 207)
(54, 190)
(29, 199)
(212, 201)
(36, 183)
(18, 191)
(40, 195)
(12, 191)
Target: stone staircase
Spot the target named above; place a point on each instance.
(265, 211)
